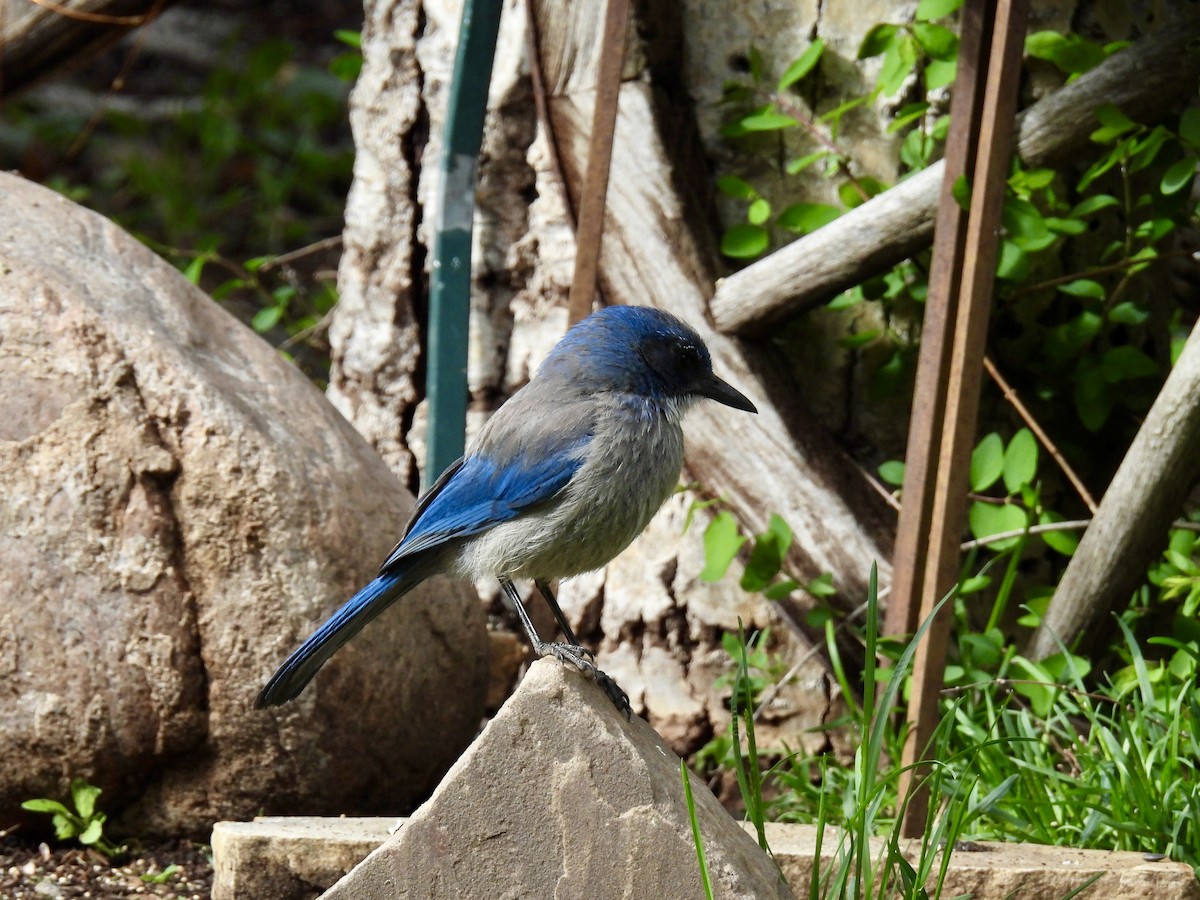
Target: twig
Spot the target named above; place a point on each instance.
(300, 252)
(773, 691)
(102, 18)
(1009, 682)
(1070, 525)
(305, 333)
(790, 109)
(1110, 269)
(1011, 396)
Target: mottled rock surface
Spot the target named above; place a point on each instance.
(181, 507)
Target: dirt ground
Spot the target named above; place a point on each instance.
(36, 871)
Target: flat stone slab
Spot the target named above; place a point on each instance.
(282, 858)
(562, 797)
(290, 857)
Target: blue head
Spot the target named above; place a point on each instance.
(641, 351)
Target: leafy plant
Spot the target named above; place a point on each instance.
(161, 877)
(84, 823)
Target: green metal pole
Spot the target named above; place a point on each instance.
(450, 280)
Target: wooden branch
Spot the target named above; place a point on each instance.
(778, 461)
(37, 39)
(1148, 79)
(1130, 527)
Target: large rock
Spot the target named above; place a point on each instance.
(180, 508)
(561, 796)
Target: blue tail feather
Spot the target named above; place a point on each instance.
(299, 669)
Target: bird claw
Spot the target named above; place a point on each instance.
(581, 657)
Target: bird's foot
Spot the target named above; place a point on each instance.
(581, 658)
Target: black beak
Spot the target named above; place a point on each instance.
(715, 389)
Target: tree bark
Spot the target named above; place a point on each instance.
(779, 461)
(1150, 78)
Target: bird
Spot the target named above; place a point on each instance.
(561, 478)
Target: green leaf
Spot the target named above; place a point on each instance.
(1084, 287)
(766, 557)
(780, 589)
(767, 121)
(804, 218)
(346, 66)
(1092, 204)
(1066, 226)
(1179, 176)
(722, 540)
(937, 40)
(800, 163)
(84, 795)
(745, 241)
(908, 113)
(802, 65)
(877, 40)
(987, 462)
(850, 193)
(1020, 461)
(974, 584)
(936, 9)
(1126, 363)
(266, 319)
(1128, 313)
(1063, 542)
(1014, 262)
(854, 341)
(961, 191)
(1035, 609)
(822, 585)
(1024, 222)
(1115, 123)
(1189, 126)
(1071, 53)
(892, 472)
(939, 73)
(349, 38)
(846, 299)
(759, 212)
(92, 833)
(194, 269)
(67, 826)
(1093, 399)
(987, 519)
(898, 63)
(735, 187)
(44, 805)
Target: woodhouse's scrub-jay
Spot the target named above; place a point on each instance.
(560, 480)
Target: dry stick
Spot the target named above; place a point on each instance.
(595, 182)
(542, 106)
(979, 250)
(1147, 79)
(1011, 396)
(927, 420)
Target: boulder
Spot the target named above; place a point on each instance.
(181, 508)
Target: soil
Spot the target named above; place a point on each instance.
(31, 871)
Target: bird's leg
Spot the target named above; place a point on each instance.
(571, 652)
(548, 595)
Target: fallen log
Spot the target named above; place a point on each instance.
(1147, 80)
(1130, 527)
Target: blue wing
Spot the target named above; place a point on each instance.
(477, 493)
